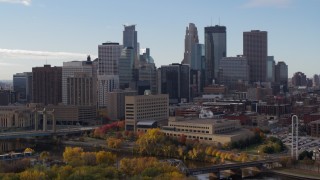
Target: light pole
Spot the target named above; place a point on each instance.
(295, 135)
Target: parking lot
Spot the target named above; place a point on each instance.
(307, 143)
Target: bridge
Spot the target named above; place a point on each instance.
(44, 133)
(233, 166)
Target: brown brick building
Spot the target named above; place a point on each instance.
(47, 85)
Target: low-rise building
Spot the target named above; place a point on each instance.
(16, 117)
(146, 108)
(216, 131)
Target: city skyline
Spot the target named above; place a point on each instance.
(38, 32)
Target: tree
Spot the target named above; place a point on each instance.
(151, 142)
(105, 158)
(44, 156)
(72, 156)
(114, 142)
(89, 158)
(32, 175)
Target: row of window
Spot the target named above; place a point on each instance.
(190, 137)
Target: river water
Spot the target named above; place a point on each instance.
(57, 150)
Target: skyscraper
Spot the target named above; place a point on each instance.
(47, 85)
(126, 64)
(255, 48)
(71, 70)
(174, 80)
(22, 85)
(215, 49)
(270, 69)
(281, 73)
(234, 70)
(109, 54)
(130, 38)
(108, 70)
(191, 38)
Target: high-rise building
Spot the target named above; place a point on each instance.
(198, 63)
(22, 85)
(109, 55)
(80, 90)
(75, 72)
(126, 65)
(130, 38)
(191, 38)
(108, 70)
(281, 73)
(255, 48)
(47, 85)
(106, 83)
(270, 69)
(316, 80)
(234, 70)
(215, 48)
(145, 74)
(116, 103)
(299, 79)
(174, 80)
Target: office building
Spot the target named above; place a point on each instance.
(270, 69)
(255, 48)
(47, 85)
(109, 54)
(116, 103)
(213, 131)
(108, 70)
(145, 73)
(143, 110)
(77, 83)
(130, 39)
(126, 65)
(80, 90)
(234, 70)
(22, 85)
(174, 80)
(7, 97)
(281, 73)
(191, 38)
(299, 79)
(215, 48)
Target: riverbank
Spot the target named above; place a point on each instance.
(297, 173)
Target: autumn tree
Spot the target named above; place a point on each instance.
(32, 175)
(72, 156)
(105, 158)
(151, 142)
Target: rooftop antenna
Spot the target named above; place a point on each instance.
(219, 21)
(211, 21)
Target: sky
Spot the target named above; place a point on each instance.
(36, 32)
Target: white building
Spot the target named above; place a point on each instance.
(109, 55)
(70, 70)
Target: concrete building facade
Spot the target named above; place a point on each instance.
(116, 103)
(146, 108)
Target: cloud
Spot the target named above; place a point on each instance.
(8, 64)
(15, 53)
(267, 3)
(24, 2)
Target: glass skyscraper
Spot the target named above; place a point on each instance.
(215, 49)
